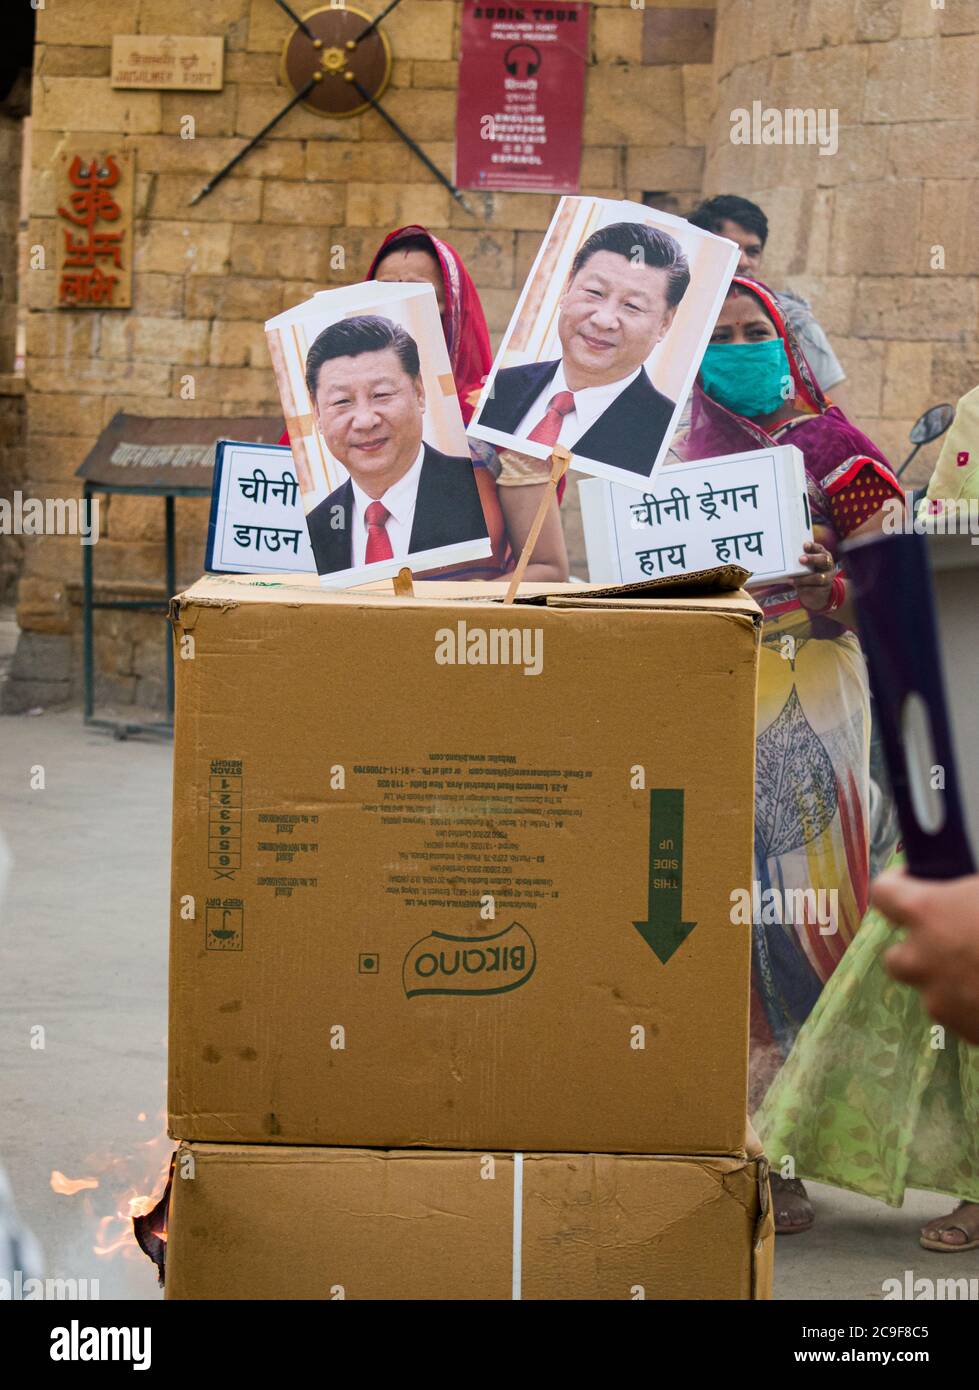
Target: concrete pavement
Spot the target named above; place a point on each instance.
(83, 955)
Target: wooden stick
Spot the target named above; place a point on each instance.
(560, 462)
(403, 586)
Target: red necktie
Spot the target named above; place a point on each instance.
(548, 428)
(378, 540)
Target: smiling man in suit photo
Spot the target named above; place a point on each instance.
(597, 399)
(403, 496)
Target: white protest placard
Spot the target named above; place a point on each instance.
(748, 509)
(257, 524)
(377, 435)
(606, 339)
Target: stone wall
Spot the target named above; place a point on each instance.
(857, 231)
(11, 145)
(12, 423)
(12, 464)
(207, 277)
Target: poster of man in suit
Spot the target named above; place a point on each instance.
(606, 339)
(389, 479)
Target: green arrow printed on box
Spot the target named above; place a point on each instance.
(664, 929)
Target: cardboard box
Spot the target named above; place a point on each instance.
(417, 903)
(269, 1222)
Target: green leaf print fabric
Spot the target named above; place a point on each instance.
(874, 1096)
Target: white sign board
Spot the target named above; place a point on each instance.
(747, 509)
(257, 524)
(606, 338)
(370, 401)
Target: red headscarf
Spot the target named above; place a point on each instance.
(471, 356)
(463, 321)
(807, 389)
(834, 450)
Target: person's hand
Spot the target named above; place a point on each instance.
(814, 587)
(940, 956)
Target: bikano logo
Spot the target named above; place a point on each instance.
(793, 126)
(444, 964)
(52, 516)
(496, 646)
(77, 1343)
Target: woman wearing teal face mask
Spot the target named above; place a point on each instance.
(755, 389)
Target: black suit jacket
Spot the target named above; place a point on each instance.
(447, 511)
(628, 434)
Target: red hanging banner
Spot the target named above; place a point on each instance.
(521, 97)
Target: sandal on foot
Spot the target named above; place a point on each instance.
(790, 1200)
(947, 1223)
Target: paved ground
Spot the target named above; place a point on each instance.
(83, 954)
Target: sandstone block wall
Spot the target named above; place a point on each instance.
(207, 277)
(854, 231)
(861, 232)
(12, 410)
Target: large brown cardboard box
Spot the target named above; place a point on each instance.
(424, 903)
(268, 1222)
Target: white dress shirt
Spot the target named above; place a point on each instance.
(400, 501)
(589, 404)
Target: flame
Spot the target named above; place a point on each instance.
(132, 1183)
(104, 1242)
(67, 1187)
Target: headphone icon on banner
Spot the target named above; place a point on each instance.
(522, 56)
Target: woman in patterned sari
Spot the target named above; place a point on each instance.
(755, 389)
(413, 254)
(876, 1098)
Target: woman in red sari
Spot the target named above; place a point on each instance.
(413, 255)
